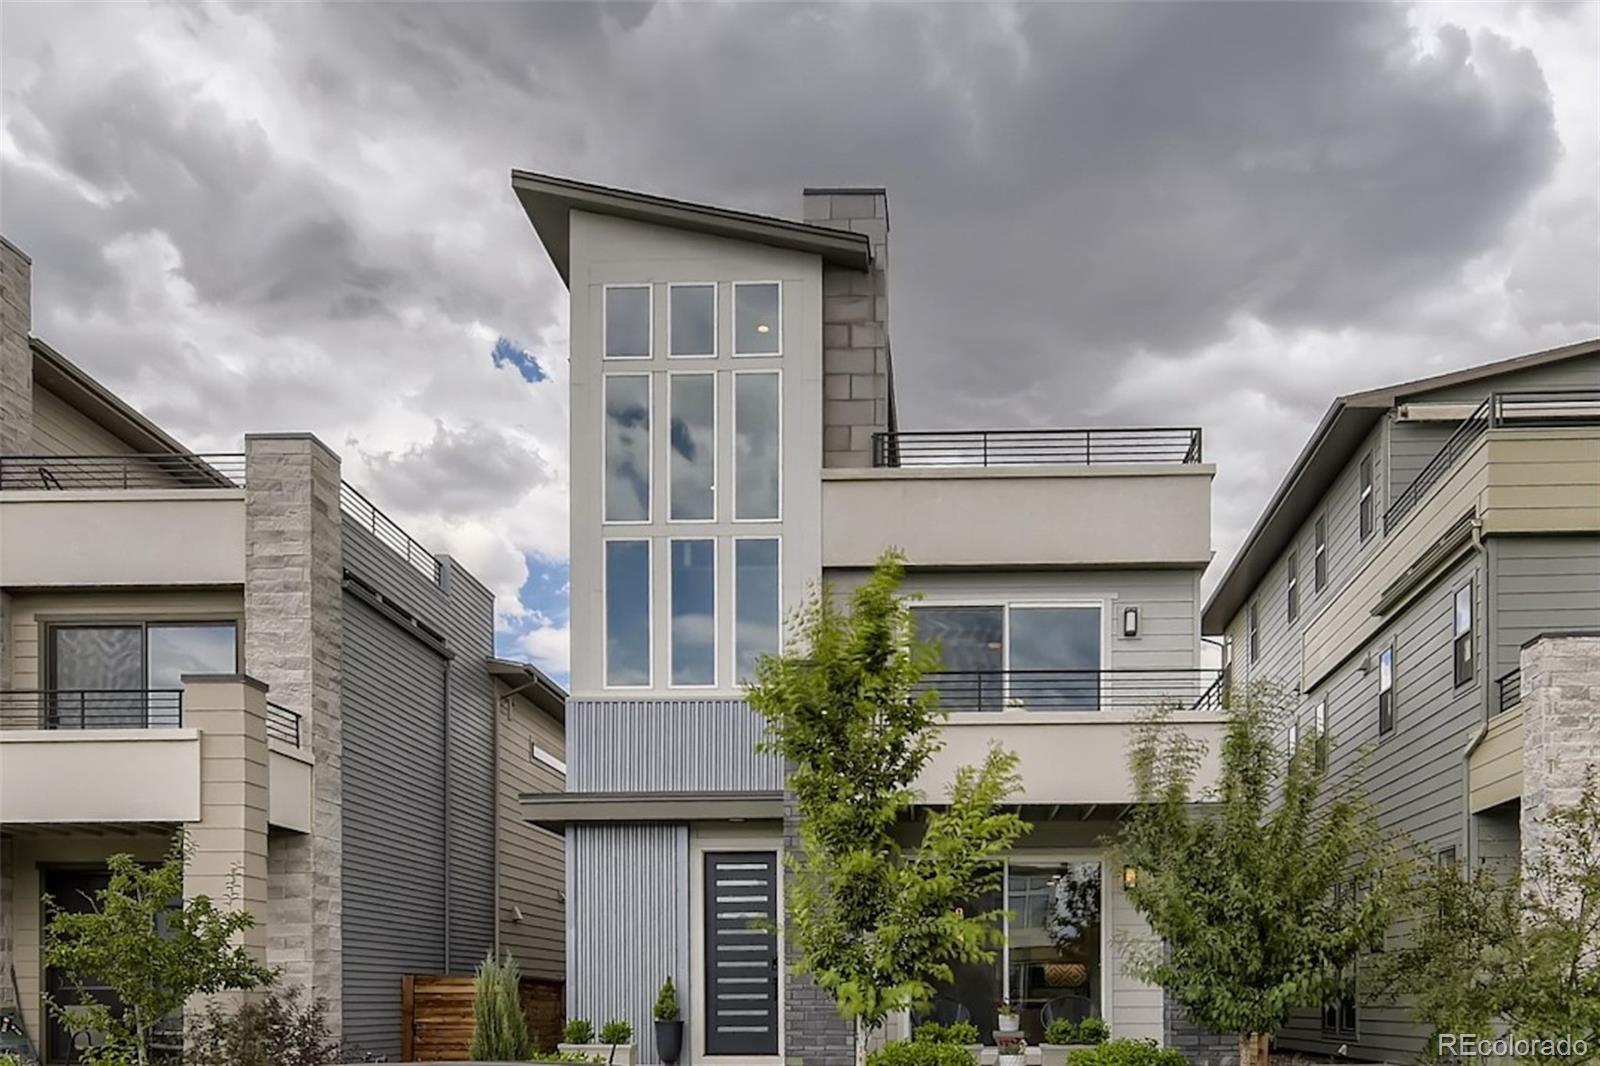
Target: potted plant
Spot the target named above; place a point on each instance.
(1008, 1018)
(965, 1034)
(1062, 1037)
(1013, 1050)
(614, 1046)
(669, 1024)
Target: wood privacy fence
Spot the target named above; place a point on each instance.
(436, 1015)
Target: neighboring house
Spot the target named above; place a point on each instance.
(243, 649)
(1426, 584)
(735, 442)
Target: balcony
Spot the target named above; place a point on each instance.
(1495, 763)
(92, 709)
(111, 520)
(1036, 447)
(1074, 691)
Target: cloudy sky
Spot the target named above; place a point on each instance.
(289, 216)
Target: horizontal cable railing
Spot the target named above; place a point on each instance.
(1509, 690)
(1072, 690)
(364, 513)
(164, 470)
(283, 724)
(1036, 447)
(98, 708)
(1527, 409)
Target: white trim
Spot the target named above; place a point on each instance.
(650, 328)
(733, 507)
(733, 345)
(702, 841)
(605, 612)
(716, 417)
(712, 354)
(733, 612)
(715, 643)
(650, 449)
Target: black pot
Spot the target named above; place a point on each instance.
(669, 1041)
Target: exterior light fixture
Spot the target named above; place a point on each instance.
(763, 328)
(1130, 621)
(1130, 877)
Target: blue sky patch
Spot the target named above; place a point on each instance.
(545, 595)
(507, 350)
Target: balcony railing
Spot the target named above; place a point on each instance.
(1036, 447)
(92, 709)
(167, 470)
(1074, 690)
(283, 725)
(364, 513)
(1548, 407)
(1508, 689)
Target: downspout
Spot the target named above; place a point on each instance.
(494, 794)
(1468, 844)
(449, 664)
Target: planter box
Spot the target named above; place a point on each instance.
(1056, 1054)
(624, 1052)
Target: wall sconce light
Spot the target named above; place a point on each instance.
(1130, 877)
(1130, 621)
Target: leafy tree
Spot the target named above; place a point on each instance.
(499, 1026)
(1261, 892)
(152, 948)
(1486, 949)
(875, 924)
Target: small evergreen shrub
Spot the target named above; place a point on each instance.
(1093, 1031)
(1124, 1052)
(499, 1027)
(616, 1031)
(1061, 1031)
(923, 1053)
(666, 1009)
(579, 1031)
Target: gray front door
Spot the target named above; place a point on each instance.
(741, 962)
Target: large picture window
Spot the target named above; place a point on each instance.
(693, 443)
(757, 602)
(693, 579)
(757, 441)
(627, 623)
(627, 448)
(627, 321)
(91, 664)
(1021, 657)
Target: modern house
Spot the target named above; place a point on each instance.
(243, 649)
(1426, 582)
(735, 442)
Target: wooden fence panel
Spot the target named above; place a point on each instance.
(436, 1015)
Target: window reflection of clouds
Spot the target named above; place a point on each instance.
(176, 650)
(756, 403)
(757, 611)
(693, 320)
(1057, 638)
(694, 627)
(627, 612)
(628, 322)
(757, 321)
(627, 448)
(693, 436)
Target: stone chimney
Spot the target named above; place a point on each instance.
(857, 371)
(16, 358)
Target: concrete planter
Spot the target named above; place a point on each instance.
(615, 1054)
(1056, 1054)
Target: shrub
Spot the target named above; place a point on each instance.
(616, 1031)
(499, 1027)
(276, 1030)
(961, 1033)
(540, 1058)
(923, 1053)
(1061, 1031)
(666, 1009)
(1126, 1052)
(1093, 1031)
(579, 1031)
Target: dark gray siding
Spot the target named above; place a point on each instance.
(1412, 446)
(1541, 584)
(655, 745)
(469, 625)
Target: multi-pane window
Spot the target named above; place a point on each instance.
(1386, 690)
(692, 321)
(1367, 501)
(693, 594)
(757, 438)
(692, 468)
(1462, 643)
(1255, 633)
(91, 664)
(627, 322)
(757, 318)
(627, 603)
(756, 602)
(627, 448)
(1292, 593)
(1319, 553)
(1319, 739)
(1021, 657)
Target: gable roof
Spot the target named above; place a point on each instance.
(97, 403)
(549, 202)
(1345, 425)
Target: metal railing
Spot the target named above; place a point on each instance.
(1547, 407)
(168, 470)
(364, 513)
(1509, 690)
(1037, 447)
(1073, 690)
(97, 708)
(283, 724)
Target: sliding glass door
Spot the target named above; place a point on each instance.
(1031, 657)
(130, 675)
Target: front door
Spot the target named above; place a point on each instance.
(741, 944)
(72, 891)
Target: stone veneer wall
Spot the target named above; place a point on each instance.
(1561, 726)
(294, 641)
(857, 374)
(1199, 1046)
(813, 1032)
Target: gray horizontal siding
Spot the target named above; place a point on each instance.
(1567, 374)
(532, 860)
(1412, 446)
(1542, 584)
(652, 745)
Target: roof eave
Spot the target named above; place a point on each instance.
(87, 395)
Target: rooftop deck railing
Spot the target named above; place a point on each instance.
(1547, 407)
(164, 470)
(1036, 447)
(364, 513)
(963, 691)
(1508, 690)
(91, 709)
(283, 724)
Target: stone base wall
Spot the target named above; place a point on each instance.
(1199, 1046)
(813, 1032)
(1561, 728)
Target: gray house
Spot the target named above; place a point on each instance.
(1426, 579)
(735, 441)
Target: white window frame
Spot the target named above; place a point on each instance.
(650, 438)
(733, 401)
(1006, 607)
(1394, 718)
(1366, 479)
(541, 756)
(733, 345)
(715, 310)
(705, 839)
(605, 612)
(1319, 723)
(650, 329)
(716, 419)
(1253, 631)
(733, 611)
(1319, 553)
(1291, 591)
(1043, 857)
(1470, 633)
(716, 642)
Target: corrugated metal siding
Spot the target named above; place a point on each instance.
(667, 746)
(628, 923)
(1541, 584)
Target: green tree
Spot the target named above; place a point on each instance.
(875, 923)
(152, 948)
(499, 1026)
(1488, 949)
(1262, 891)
